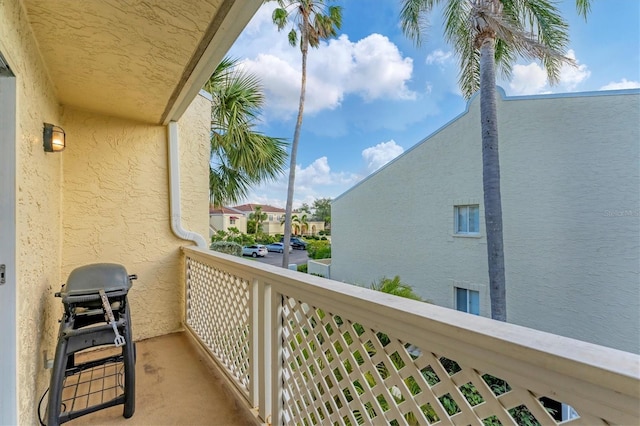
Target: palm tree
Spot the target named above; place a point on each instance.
(486, 34)
(396, 287)
(295, 223)
(304, 223)
(258, 216)
(240, 156)
(307, 17)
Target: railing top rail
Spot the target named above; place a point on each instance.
(487, 342)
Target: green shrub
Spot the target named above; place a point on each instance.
(267, 239)
(227, 247)
(323, 238)
(302, 268)
(233, 235)
(319, 250)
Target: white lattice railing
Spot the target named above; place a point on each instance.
(309, 351)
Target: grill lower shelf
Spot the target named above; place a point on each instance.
(91, 386)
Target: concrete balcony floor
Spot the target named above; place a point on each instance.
(176, 384)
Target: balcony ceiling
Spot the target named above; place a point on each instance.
(143, 60)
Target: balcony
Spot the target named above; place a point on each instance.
(289, 348)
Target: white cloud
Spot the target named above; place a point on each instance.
(532, 79)
(528, 79)
(281, 82)
(312, 182)
(572, 75)
(439, 57)
(379, 155)
(624, 84)
(319, 173)
(372, 68)
(378, 71)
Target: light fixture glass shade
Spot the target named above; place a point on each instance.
(53, 138)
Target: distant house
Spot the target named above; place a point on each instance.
(223, 218)
(275, 218)
(571, 208)
(272, 225)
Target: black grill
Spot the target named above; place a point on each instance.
(76, 388)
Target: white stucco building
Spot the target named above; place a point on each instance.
(571, 210)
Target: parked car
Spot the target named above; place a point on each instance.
(296, 243)
(277, 247)
(255, 250)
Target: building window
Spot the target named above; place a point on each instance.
(232, 221)
(467, 219)
(468, 301)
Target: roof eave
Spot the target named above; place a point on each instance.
(224, 29)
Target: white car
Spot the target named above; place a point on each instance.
(254, 250)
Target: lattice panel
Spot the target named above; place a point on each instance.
(340, 372)
(218, 311)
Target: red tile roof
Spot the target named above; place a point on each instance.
(265, 208)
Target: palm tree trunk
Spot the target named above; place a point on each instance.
(491, 180)
(294, 153)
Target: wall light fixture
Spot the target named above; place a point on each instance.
(53, 138)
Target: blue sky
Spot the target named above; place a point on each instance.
(371, 94)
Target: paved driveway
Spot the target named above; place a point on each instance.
(296, 256)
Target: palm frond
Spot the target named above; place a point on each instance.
(583, 7)
(505, 59)
(312, 21)
(414, 18)
(396, 287)
(530, 29)
(240, 156)
(227, 185)
(293, 37)
(280, 17)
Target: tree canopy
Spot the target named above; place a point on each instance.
(240, 156)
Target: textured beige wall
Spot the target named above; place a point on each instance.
(195, 151)
(223, 222)
(116, 206)
(38, 177)
(571, 210)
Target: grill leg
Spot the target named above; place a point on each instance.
(129, 354)
(57, 379)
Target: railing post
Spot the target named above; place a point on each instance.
(264, 351)
(255, 338)
(275, 364)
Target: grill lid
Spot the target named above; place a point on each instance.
(90, 279)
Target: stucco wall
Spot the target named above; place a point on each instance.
(571, 209)
(116, 206)
(195, 149)
(320, 267)
(38, 177)
(223, 222)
